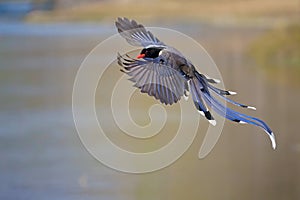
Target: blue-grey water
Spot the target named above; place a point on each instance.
(43, 158)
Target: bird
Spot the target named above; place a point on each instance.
(166, 74)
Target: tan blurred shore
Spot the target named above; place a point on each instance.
(232, 11)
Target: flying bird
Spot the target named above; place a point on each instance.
(163, 72)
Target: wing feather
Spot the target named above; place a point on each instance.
(156, 79)
(136, 34)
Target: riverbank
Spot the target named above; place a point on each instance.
(236, 11)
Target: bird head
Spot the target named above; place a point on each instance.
(151, 52)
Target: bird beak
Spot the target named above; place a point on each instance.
(141, 56)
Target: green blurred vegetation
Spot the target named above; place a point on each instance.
(278, 52)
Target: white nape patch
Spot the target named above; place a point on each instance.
(272, 137)
(232, 93)
(159, 53)
(201, 113)
(212, 122)
(242, 122)
(153, 45)
(252, 107)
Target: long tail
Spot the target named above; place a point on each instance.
(196, 88)
(201, 90)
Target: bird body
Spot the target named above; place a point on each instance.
(163, 72)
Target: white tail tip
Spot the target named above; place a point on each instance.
(232, 93)
(214, 79)
(212, 122)
(252, 107)
(217, 80)
(201, 113)
(186, 95)
(272, 137)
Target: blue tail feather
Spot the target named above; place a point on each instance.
(226, 112)
(221, 94)
(234, 115)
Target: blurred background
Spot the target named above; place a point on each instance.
(256, 46)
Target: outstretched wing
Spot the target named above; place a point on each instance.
(136, 34)
(156, 79)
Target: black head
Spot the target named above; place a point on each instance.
(151, 52)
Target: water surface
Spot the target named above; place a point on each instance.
(43, 158)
